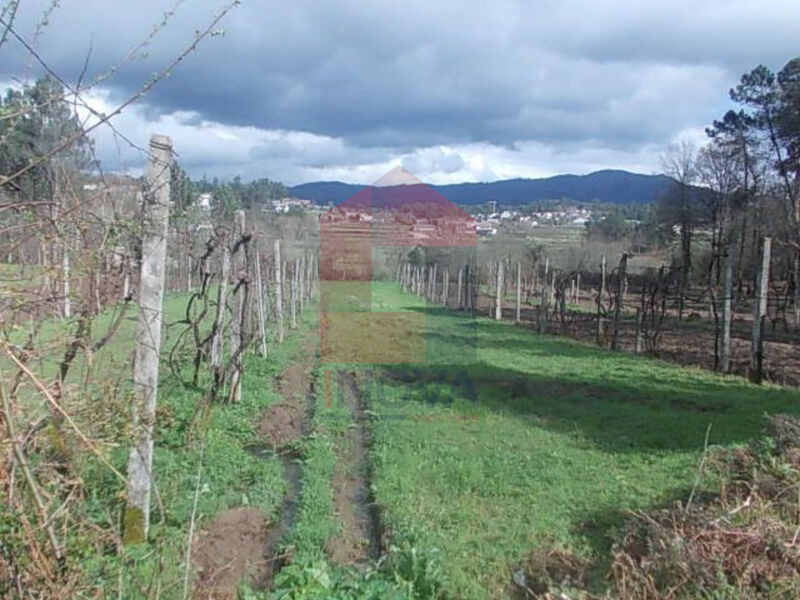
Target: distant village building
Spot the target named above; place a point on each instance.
(204, 201)
(284, 205)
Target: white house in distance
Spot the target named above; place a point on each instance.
(283, 205)
(204, 201)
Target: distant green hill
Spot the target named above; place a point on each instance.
(610, 186)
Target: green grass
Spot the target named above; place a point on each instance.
(231, 476)
(563, 440)
(315, 523)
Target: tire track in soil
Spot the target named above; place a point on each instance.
(240, 541)
(360, 538)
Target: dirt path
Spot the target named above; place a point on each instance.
(288, 420)
(360, 537)
(241, 542)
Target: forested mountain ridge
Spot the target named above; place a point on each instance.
(608, 186)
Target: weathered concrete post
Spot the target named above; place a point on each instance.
(126, 280)
(519, 291)
(219, 319)
(293, 296)
(279, 290)
(65, 276)
(262, 330)
(498, 307)
(639, 323)
(148, 339)
(189, 273)
(796, 295)
(460, 301)
(727, 292)
(545, 279)
(301, 282)
(600, 293)
(240, 275)
(760, 311)
(467, 288)
(621, 285)
(543, 305)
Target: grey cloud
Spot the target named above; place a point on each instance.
(387, 78)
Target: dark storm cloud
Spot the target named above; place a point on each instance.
(416, 74)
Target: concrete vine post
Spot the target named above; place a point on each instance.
(148, 339)
(519, 291)
(293, 296)
(727, 292)
(219, 319)
(600, 334)
(545, 279)
(279, 290)
(240, 277)
(459, 301)
(262, 330)
(621, 279)
(760, 311)
(639, 323)
(543, 305)
(467, 289)
(498, 307)
(301, 281)
(311, 278)
(796, 295)
(65, 274)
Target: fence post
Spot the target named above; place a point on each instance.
(727, 291)
(293, 296)
(460, 304)
(148, 339)
(639, 318)
(519, 291)
(796, 296)
(498, 307)
(760, 311)
(65, 282)
(601, 292)
(621, 285)
(240, 274)
(301, 292)
(278, 290)
(543, 308)
(219, 320)
(262, 330)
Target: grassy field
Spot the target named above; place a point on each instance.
(496, 442)
(556, 443)
(568, 248)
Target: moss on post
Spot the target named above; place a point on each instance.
(133, 526)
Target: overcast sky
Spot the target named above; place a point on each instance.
(464, 90)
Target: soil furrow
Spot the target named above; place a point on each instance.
(241, 542)
(360, 535)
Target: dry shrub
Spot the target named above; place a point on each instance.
(551, 574)
(743, 543)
